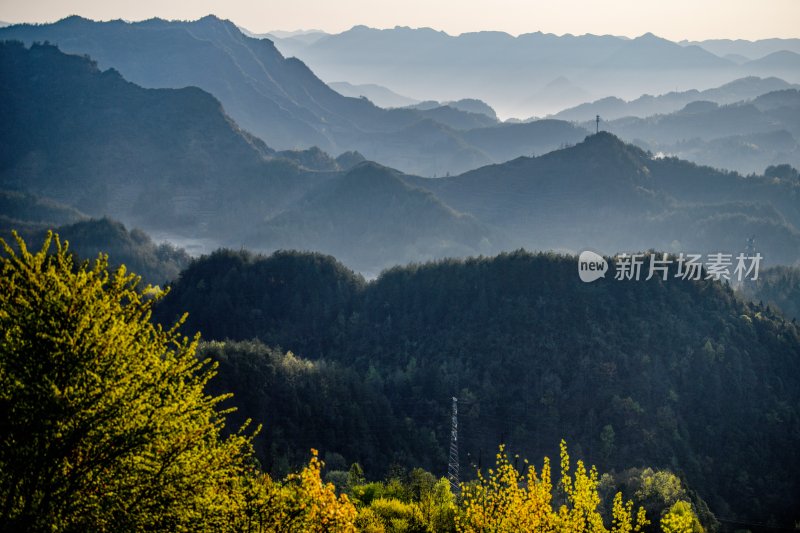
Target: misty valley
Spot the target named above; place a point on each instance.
(236, 297)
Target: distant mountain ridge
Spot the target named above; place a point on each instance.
(747, 49)
(506, 71)
(279, 100)
(377, 94)
(170, 160)
(782, 60)
(747, 135)
(611, 196)
(610, 108)
(354, 208)
(285, 104)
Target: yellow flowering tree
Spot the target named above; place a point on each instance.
(302, 502)
(105, 422)
(681, 519)
(507, 501)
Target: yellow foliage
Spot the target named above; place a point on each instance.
(398, 516)
(368, 521)
(107, 427)
(507, 501)
(681, 519)
(301, 503)
(105, 421)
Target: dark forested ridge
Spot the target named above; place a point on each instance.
(104, 145)
(28, 212)
(156, 263)
(613, 196)
(32, 217)
(681, 375)
(371, 216)
(171, 160)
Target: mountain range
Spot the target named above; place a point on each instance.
(611, 107)
(91, 139)
(515, 74)
(171, 162)
(277, 99)
(377, 94)
(748, 135)
(607, 195)
(389, 271)
(283, 103)
(745, 49)
(745, 125)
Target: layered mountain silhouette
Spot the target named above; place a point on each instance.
(521, 76)
(373, 207)
(172, 162)
(611, 107)
(743, 48)
(92, 140)
(286, 105)
(611, 196)
(377, 94)
(277, 99)
(748, 135)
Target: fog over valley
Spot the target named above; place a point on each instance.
(433, 268)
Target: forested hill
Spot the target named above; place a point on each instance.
(609, 195)
(171, 161)
(675, 374)
(371, 216)
(95, 141)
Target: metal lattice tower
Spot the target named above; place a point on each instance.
(452, 464)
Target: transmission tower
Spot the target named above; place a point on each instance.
(452, 464)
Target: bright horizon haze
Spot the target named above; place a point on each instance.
(676, 20)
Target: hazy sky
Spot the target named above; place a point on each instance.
(673, 19)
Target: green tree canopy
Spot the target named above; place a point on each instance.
(105, 422)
